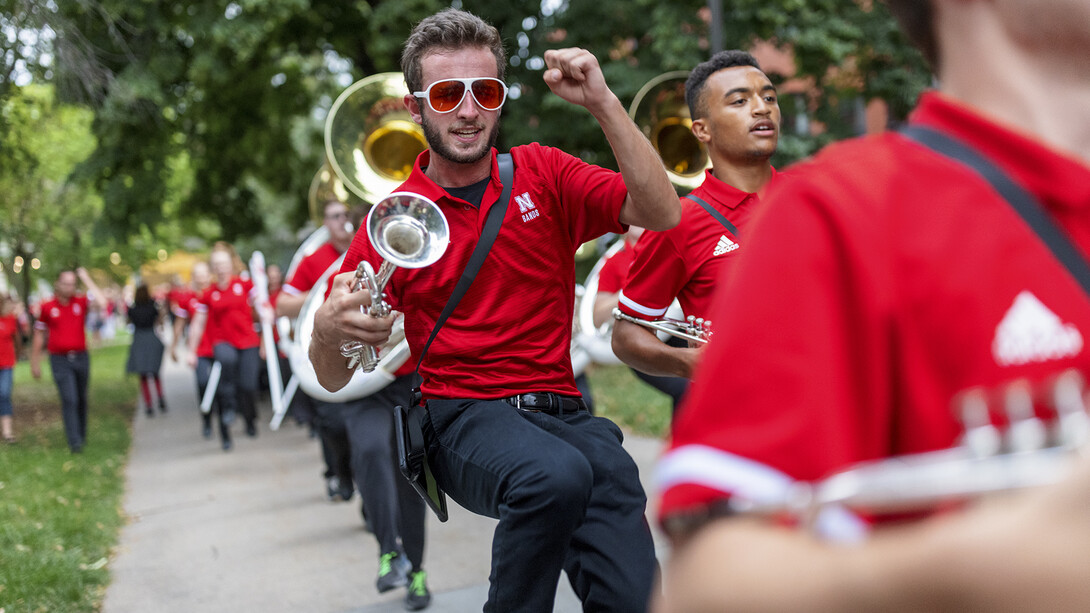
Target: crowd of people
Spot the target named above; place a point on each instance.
(855, 297)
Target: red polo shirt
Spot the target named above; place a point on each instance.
(614, 271)
(879, 282)
(179, 299)
(65, 323)
(9, 327)
(310, 269)
(231, 310)
(511, 332)
(687, 261)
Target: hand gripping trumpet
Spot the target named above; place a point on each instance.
(1027, 452)
(408, 231)
(694, 329)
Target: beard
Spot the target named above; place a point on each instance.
(439, 147)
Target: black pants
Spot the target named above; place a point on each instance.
(567, 496)
(240, 370)
(329, 422)
(394, 510)
(71, 373)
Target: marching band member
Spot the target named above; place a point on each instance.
(363, 431)
(886, 279)
(507, 434)
(611, 278)
(736, 115)
(326, 419)
(225, 312)
(199, 278)
(64, 318)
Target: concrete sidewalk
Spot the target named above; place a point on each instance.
(252, 530)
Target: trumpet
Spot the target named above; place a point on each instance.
(408, 231)
(695, 329)
(1029, 452)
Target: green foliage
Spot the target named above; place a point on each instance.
(61, 511)
(207, 116)
(631, 403)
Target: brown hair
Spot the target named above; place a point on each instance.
(449, 29)
(917, 21)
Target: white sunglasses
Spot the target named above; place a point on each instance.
(446, 95)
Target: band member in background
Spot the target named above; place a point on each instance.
(886, 279)
(64, 319)
(10, 344)
(611, 278)
(507, 434)
(735, 114)
(200, 278)
(146, 350)
(327, 420)
(225, 311)
(361, 432)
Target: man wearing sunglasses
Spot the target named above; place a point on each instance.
(508, 435)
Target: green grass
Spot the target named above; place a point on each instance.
(631, 403)
(61, 513)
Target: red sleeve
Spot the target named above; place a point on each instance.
(614, 271)
(658, 272)
(795, 382)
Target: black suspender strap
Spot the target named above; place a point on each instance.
(480, 252)
(1020, 200)
(716, 214)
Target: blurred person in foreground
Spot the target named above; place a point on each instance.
(64, 321)
(882, 281)
(507, 433)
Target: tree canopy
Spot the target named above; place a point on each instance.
(200, 120)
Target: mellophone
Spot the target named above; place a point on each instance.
(1028, 451)
(695, 329)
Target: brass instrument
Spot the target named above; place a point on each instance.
(660, 111)
(692, 328)
(1029, 452)
(371, 141)
(408, 231)
(371, 144)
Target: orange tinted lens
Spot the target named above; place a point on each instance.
(445, 95)
(489, 94)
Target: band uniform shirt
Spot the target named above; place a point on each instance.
(66, 324)
(880, 282)
(614, 271)
(688, 261)
(310, 269)
(9, 327)
(231, 311)
(178, 299)
(204, 347)
(511, 332)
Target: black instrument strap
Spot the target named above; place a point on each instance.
(476, 259)
(1020, 200)
(716, 214)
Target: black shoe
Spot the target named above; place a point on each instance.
(335, 490)
(149, 412)
(206, 425)
(391, 572)
(227, 442)
(251, 428)
(418, 597)
(162, 406)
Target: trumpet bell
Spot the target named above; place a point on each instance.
(371, 141)
(660, 111)
(408, 230)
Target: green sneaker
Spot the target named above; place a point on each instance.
(391, 572)
(418, 597)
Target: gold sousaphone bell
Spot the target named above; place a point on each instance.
(660, 111)
(371, 141)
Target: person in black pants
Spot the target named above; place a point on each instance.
(507, 433)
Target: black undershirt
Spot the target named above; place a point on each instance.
(472, 193)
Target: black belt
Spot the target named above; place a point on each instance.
(546, 402)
